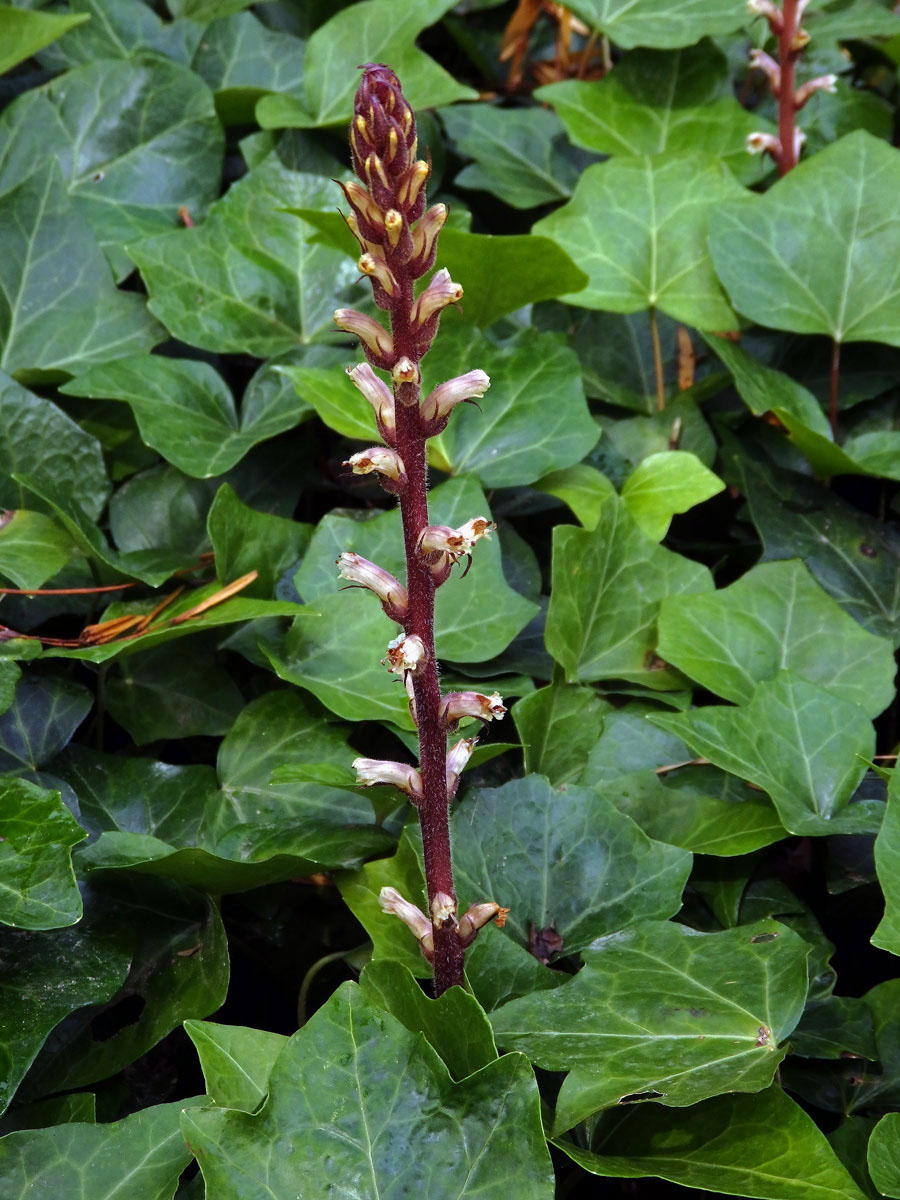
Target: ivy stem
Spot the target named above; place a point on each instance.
(788, 53)
(657, 361)
(434, 807)
(834, 385)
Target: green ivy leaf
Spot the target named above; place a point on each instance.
(648, 23)
(365, 33)
(565, 858)
(334, 649)
(806, 747)
(657, 101)
(45, 713)
(775, 617)
(143, 1155)
(859, 19)
(761, 1145)
(37, 884)
(23, 32)
(393, 1095)
(185, 410)
(664, 1012)
(884, 1155)
(246, 540)
(649, 251)
(32, 548)
(236, 1062)
(808, 255)
(666, 483)
(247, 281)
(607, 586)
(242, 60)
(120, 29)
(558, 726)
(887, 859)
(52, 325)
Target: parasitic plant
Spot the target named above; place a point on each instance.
(398, 237)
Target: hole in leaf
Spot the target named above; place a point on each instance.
(113, 1020)
(763, 937)
(636, 1097)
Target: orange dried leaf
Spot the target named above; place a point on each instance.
(211, 601)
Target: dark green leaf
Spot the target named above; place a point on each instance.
(666, 483)
(37, 884)
(836, 1027)
(649, 251)
(559, 726)
(45, 713)
(884, 1155)
(663, 1012)
(32, 548)
(763, 1146)
(23, 33)
(887, 864)
(120, 29)
(607, 586)
(236, 1062)
(804, 746)
(246, 540)
(55, 1110)
(566, 859)
(648, 23)
(776, 616)
(809, 255)
(390, 1095)
(241, 60)
(52, 324)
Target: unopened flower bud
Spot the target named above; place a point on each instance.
(380, 460)
(378, 395)
(761, 61)
(765, 8)
(393, 903)
(443, 909)
(424, 239)
(404, 653)
(376, 268)
(413, 184)
(438, 404)
(363, 573)
(456, 705)
(405, 370)
(476, 917)
(824, 83)
(367, 329)
(457, 758)
(393, 226)
(439, 293)
(373, 771)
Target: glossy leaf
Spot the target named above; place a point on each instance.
(389, 1094)
(657, 101)
(120, 29)
(884, 1155)
(366, 32)
(807, 256)
(887, 856)
(334, 650)
(185, 410)
(32, 548)
(236, 1062)
(663, 1012)
(37, 884)
(25, 32)
(53, 325)
(246, 540)
(763, 1146)
(564, 858)
(647, 23)
(142, 1155)
(262, 287)
(45, 713)
(582, 487)
(242, 59)
(804, 746)
(558, 726)
(775, 617)
(649, 251)
(664, 484)
(607, 586)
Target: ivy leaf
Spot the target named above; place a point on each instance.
(46, 976)
(664, 1012)
(242, 60)
(664, 484)
(558, 726)
(607, 586)
(246, 540)
(32, 548)
(365, 33)
(649, 251)
(857, 20)
(236, 1062)
(334, 649)
(534, 418)
(49, 325)
(566, 859)
(804, 746)
(45, 713)
(887, 858)
(143, 1154)
(185, 410)
(136, 140)
(582, 487)
(25, 32)
(809, 255)
(393, 1096)
(37, 884)
(645, 23)
(775, 616)
(884, 1155)
(761, 1145)
(521, 154)
(657, 101)
(119, 29)
(246, 281)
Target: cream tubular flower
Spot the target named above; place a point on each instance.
(373, 771)
(457, 759)
(377, 459)
(378, 395)
(415, 920)
(475, 918)
(439, 293)
(404, 653)
(439, 403)
(367, 329)
(456, 705)
(387, 588)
